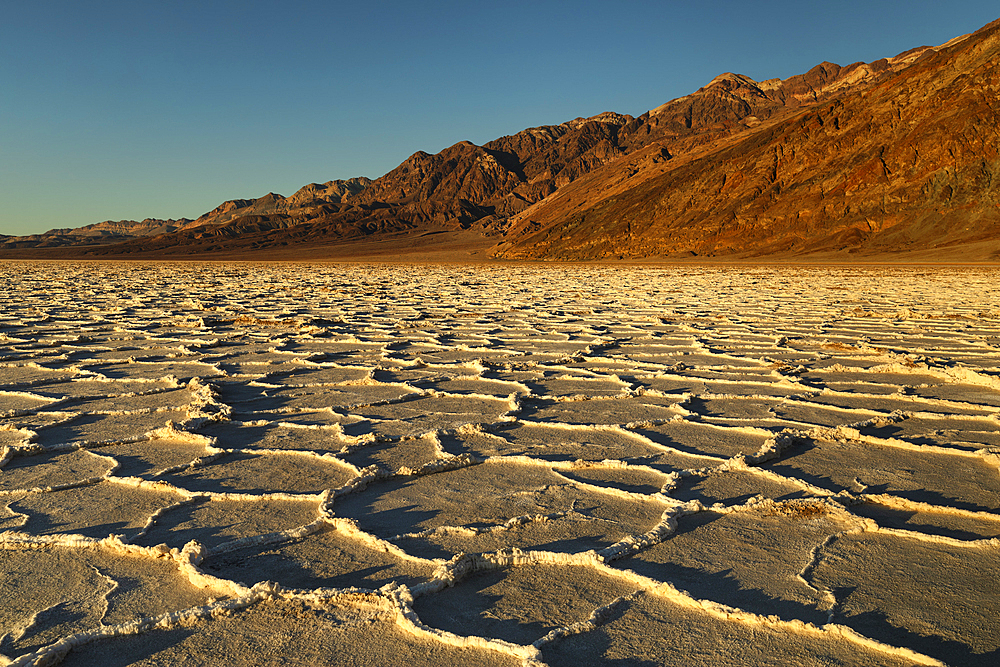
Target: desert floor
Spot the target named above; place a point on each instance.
(294, 464)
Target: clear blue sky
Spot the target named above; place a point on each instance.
(127, 110)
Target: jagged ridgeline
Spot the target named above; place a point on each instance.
(873, 158)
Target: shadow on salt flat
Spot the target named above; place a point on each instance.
(106, 389)
(82, 588)
(425, 414)
(47, 470)
(175, 399)
(147, 458)
(213, 522)
(481, 386)
(326, 559)
(939, 599)
(63, 589)
(624, 479)
(339, 397)
(153, 370)
(931, 523)
(296, 418)
(235, 392)
(244, 472)
(29, 374)
(921, 476)
(600, 410)
(734, 487)
(559, 443)
(391, 456)
(698, 438)
(906, 403)
(311, 376)
(590, 387)
(747, 559)
(654, 631)
(97, 510)
(960, 392)
(107, 428)
(936, 430)
(490, 494)
(573, 533)
(119, 352)
(273, 436)
(813, 413)
(14, 402)
(520, 604)
(280, 634)
(417, 376)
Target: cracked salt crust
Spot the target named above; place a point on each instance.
(497, 465)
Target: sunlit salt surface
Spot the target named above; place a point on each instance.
(498, 465)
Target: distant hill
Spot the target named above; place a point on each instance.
(867, 160)
(99, 233)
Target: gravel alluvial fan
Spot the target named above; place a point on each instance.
(498, 465)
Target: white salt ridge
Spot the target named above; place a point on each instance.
(606, 336)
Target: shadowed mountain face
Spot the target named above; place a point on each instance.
(872, 158)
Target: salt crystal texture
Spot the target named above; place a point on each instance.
(498, 465)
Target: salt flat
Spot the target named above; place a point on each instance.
(499, 465)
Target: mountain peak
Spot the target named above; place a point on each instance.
(730, 77)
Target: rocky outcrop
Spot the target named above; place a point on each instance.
(329, 192)
(307, 202)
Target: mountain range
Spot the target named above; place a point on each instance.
(892, 158)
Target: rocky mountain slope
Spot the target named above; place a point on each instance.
(869, 158)
(907, 160)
